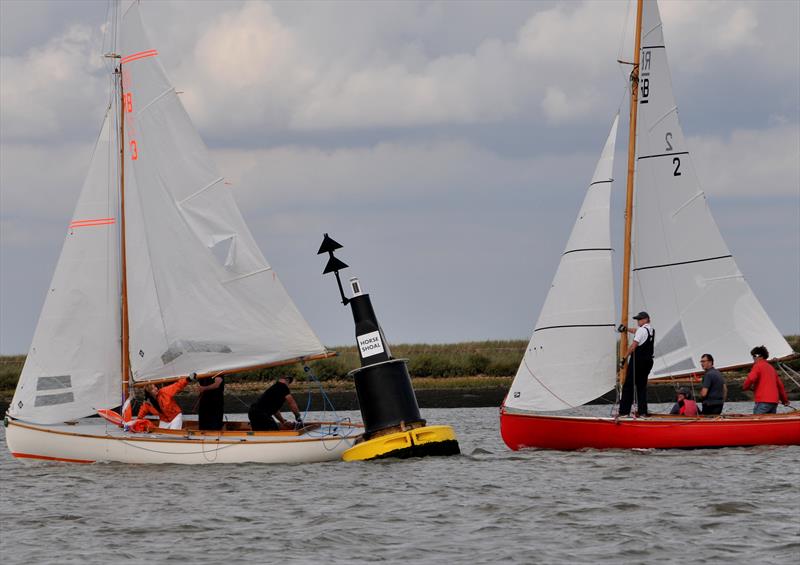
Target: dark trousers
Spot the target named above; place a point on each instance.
(712, 409)
(635, 378)
(260, 422)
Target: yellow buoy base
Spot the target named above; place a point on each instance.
(419, 442)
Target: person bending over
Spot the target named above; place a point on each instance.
(264, 411)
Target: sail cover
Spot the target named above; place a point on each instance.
(201, 295)
(683, 273)
(570, 358)
(73, 366)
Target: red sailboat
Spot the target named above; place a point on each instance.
(676, 266)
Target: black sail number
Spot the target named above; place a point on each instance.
(677, 162)
(668, 140)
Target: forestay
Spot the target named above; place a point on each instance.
(73, 366)
(201, 295)
(684, 274)
(570, 358)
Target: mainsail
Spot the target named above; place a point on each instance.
(201, 295)
(73, 365)
(684, 275)
(570, 358)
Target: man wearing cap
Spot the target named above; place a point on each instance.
(640, 355)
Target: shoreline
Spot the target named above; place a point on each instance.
(238, 398)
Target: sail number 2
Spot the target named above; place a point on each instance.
(675, 161)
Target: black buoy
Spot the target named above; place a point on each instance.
(393, 426)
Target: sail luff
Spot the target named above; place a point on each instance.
(626, 257)
(126, 353)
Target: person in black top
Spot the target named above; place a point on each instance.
(714, 390)
(641, 362)
(267, 408)
(211, 405)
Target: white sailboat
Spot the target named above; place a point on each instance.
(159, 276)
(682, 272)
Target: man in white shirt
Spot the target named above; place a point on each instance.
(640, 355)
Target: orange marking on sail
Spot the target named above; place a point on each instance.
(96, 222)
(139, 55)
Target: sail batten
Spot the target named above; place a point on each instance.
(684, 275)
(578, 313)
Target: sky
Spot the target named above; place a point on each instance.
(446, 145)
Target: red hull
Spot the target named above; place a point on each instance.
(678, 432)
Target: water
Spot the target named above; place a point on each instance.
(488, 505)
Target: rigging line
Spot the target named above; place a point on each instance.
(197, 192)
(685, 204)
(156, 99)
(682, 263)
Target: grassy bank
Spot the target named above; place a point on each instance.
(466, 365)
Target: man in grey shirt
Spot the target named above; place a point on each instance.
(714, 391)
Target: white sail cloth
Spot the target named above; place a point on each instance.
(201, 295)
(683, 273)
(73, 366)
(570, 358)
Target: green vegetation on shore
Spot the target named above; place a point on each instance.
(466, 365)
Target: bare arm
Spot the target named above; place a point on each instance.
(704, 393)
(292, 406)
(634, 344)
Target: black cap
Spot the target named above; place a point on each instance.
(641, 316)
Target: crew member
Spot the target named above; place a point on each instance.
(267, 408)
(766, 384)
(685, 405)
(640, 362)
(714, 391)
(161, 402)
(211, 405)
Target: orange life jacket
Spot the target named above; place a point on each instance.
(166, 399)
(689, 408)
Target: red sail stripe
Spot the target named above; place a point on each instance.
(87, 223)
(139, 55)
(92, 220)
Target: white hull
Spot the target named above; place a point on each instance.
(93, 440)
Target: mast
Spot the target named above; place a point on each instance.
(123, 264)
(626, 258)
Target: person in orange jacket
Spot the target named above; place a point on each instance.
(766, 385)
(161, 402)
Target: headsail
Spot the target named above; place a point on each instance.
(73, 366)
(570, 358)
(202, 297)
(684, 274)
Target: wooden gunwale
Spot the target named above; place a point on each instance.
(201, 439)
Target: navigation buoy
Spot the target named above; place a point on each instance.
(393, 426)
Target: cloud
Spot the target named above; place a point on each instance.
(761, 163)
(47, 93)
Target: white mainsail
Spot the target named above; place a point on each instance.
(73, 366)
(201, 295)
(578, 313)
(684, 275)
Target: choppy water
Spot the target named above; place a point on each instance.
(488, 505)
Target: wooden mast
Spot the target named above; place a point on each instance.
(123, 263)
(626, 258)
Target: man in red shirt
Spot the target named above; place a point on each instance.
(766, 385)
